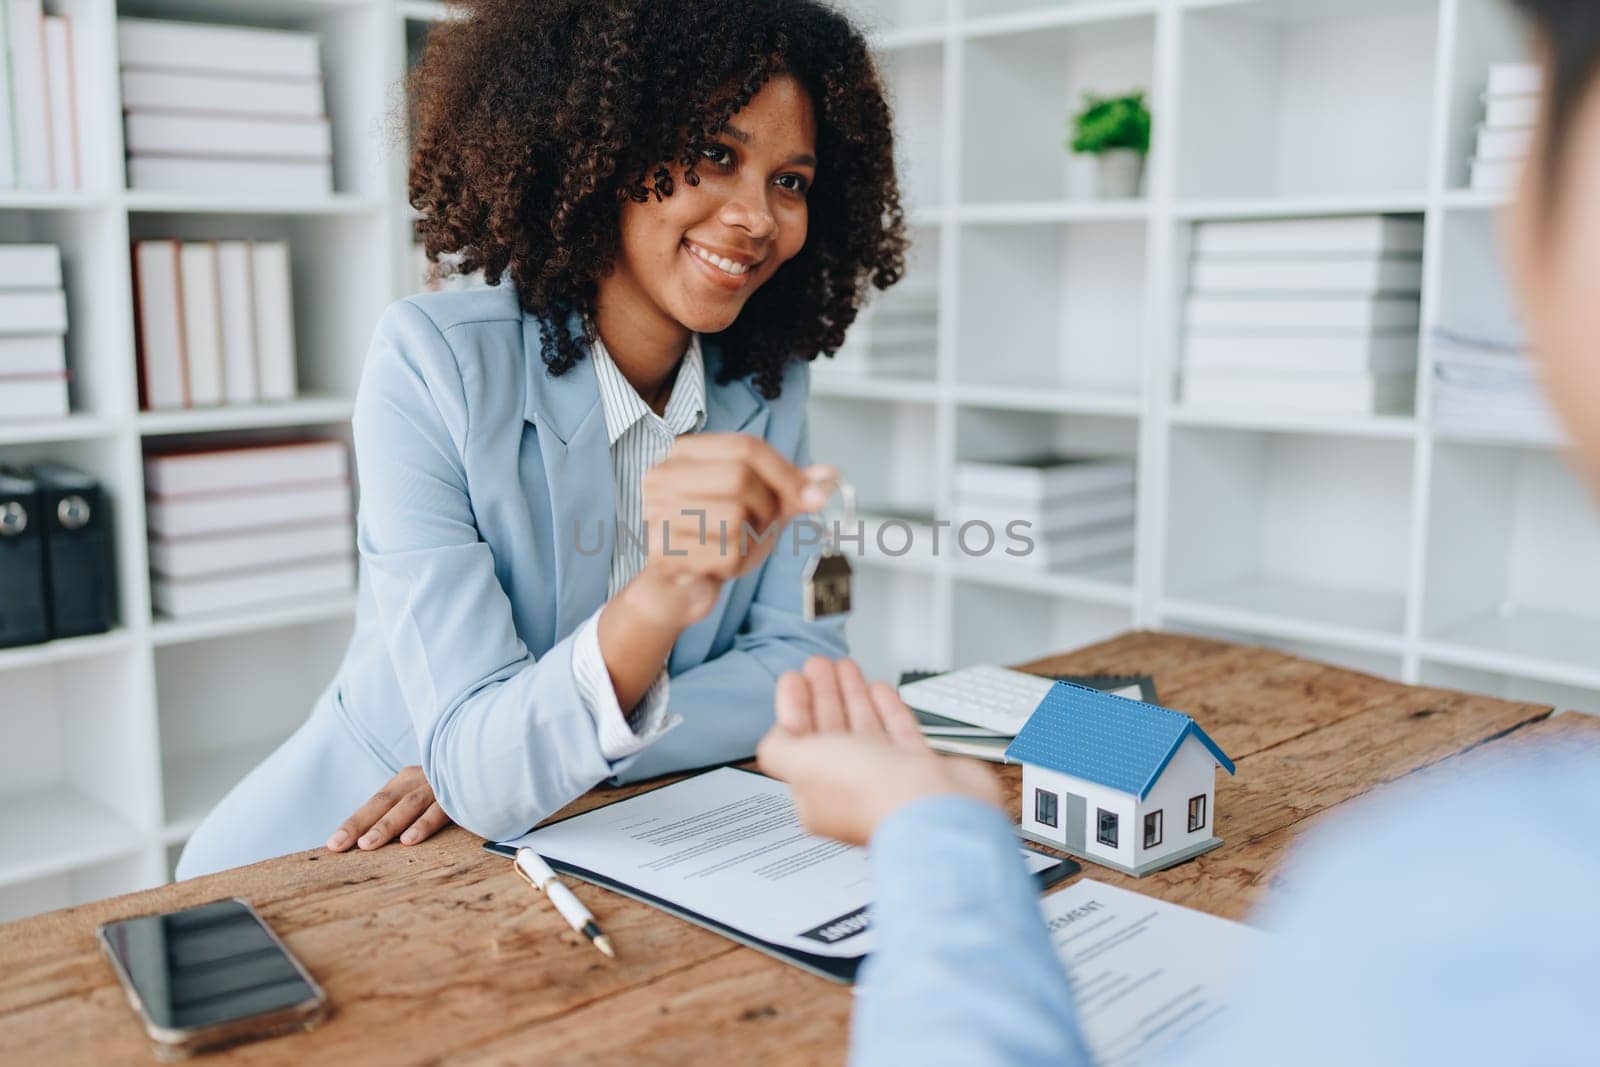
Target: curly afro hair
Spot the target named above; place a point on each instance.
(533, 119)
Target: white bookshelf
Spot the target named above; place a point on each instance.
(117, 744)
(1438, 557)
(1374, 542)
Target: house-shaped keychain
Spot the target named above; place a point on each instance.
(1119, 782)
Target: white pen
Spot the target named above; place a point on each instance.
(532, 866)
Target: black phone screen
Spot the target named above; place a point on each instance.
(207, 965)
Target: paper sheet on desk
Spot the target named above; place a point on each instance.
(1145, 974)
(726, 844)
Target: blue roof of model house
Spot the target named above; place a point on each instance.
(1116, 742)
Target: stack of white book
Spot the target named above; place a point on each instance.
(1510, 111)
(216, 323)
(1075, 510)
(223, 107)
(896, 336)
(1314, 314)
(38, 99)
(236, 527)
(33, 327)
(1488, 385)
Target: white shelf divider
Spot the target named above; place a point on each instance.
(305, 411)
(65, 649)
(72, 428)
(55, 829)
(165, 632)
(229, 204)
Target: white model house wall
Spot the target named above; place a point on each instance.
(1191, 773)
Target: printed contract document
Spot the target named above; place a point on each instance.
(726, 845)
(1144, 973)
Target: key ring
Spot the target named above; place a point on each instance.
(825, 581)
(847, 498)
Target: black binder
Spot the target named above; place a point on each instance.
(77, 550)
(23, 614)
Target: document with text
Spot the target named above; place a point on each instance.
(1145, 974)
(726, 845)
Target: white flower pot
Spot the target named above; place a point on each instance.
(1119, 173)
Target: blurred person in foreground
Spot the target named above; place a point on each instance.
(1445, 921)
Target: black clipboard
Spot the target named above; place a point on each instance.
(1106, 683)
(840, 969)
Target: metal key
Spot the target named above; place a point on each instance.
(825, 585)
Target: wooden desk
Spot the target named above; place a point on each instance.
(438, 952)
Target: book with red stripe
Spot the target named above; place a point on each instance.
(158, 308)
(224, 470)
(43, 356)
(247, 511)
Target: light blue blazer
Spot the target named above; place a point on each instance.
(478, 470)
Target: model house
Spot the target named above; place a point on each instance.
(1120, 782)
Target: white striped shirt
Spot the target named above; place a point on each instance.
(639, 440)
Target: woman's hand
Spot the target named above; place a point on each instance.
(853, 754)
(721, 500)
(405, 806)
(705, 496)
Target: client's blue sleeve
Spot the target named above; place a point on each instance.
(963, 971)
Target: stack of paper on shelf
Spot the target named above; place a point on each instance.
(1486, 385)
(224, 107)
(896, 336)
(38, 99)
(1075, 510)
(235, 527)
(1511, 109)
(1313, 314)
(216, 323)
(33, 327)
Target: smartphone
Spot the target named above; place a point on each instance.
(210, 976)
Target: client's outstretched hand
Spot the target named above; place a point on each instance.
(853, 753)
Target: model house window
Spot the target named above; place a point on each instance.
(1152, 829)
(1107, 834)
(1044, 807)
(1197, 813)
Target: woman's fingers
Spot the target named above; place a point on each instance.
(428, 823)
(367, 814)
(404, 805)
(827, 704)
(899, 722)
(792, 702)
(791, 485)
(401, 815)
(709, 536)
(689, 484)
(860, 713)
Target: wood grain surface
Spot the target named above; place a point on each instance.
(438, 954)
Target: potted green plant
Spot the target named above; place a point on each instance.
(1116, 131)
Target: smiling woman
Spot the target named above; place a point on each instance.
(678, 206)
(534, 119)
